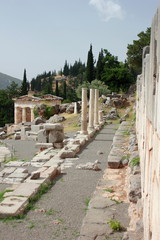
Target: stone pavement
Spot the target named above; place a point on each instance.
(47, 165)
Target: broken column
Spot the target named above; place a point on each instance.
(96, 123)
(16, 115)
(91, 110)
(75, 108)
(100, 116)
(32, 114)
(84, 112)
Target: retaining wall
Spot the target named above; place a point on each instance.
(148, 131)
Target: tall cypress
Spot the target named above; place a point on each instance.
(24, 86)
(57, 90)
(64, 90)
(90, 66)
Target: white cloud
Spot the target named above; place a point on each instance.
(108, 9)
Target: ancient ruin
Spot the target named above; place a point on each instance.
(24, 106)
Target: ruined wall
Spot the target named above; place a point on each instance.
(148, 132)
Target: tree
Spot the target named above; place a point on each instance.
(100, 65)
(66, 69)
(117, 76)
(64, 89)
(90, 66)
(57, 90)
(135, 50)
(24, 87)
(96, 84)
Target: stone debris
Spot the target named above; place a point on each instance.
(89, 166)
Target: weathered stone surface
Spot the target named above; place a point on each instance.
(18, 175)
(135, 188)
(66, 154)
(88, 166)
(56, 126)
(56, 136)
(24, 189)
(35, 175)
(100, 202)
(56, 119)
(50, 173)
(41, 136)
(99, 216)
(112, 114)
(95, 230)
(12, 206)
(38, 120)
(114, 161)
(43, 145)
(7, 171)
(36, 128)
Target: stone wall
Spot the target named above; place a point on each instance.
(148, 131)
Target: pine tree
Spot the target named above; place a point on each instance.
(24, 87)
(90, 66)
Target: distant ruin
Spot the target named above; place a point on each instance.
(24, 106)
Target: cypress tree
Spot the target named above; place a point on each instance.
(66, 69)
(90, 66)
(57, 90)
(64, 90)
(24, 87)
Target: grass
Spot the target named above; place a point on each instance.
(135, 162)
(115, 225)
(109, 190)
(116, 201)
(32, 225)
(126, 133)
(51, 212)
(86, 201)
(10, 160)
(71, 123)
(2, 194)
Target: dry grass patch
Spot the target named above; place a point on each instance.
(71, 122)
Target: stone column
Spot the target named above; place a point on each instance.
(100, 116)
(84, 112)
(23, 114)
(75, 108)
(16, 115)
(96, 108)
(91, 110)
(32, 114)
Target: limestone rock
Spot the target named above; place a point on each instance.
(56, 119)
(38, 120)
(135, 188)
(35, 175)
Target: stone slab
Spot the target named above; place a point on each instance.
(99, 202)
(50, 172)
(114, 161)
(18, 175)
(14, 164)
(13, 206)
(99, 216)
(24, 189)
(6, 171)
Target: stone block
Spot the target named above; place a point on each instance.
(50, 173)
(13, 206)
(36, 128)
(41, 136)
(66, 154)
(99, 202)
(56, 136)
(35, 175)
(18, 175)
(55, 162)
(7, 171)
(14, 164)
(135, 188)
(43, 145)
(24, 189)
(55, 126)
(114, 161)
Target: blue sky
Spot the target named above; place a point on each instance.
(40, 35)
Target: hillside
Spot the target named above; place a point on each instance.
(5, 80)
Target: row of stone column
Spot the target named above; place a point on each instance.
(23, 116)
(95, 116)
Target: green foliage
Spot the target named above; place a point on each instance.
(109, 190)
(49, 111)
(96, 84)
(135, 162)
(2, 194)
(35, 111)
(86, 201)
(135, 50)
(7, 104)
(115, 225)
(100, 65)
(66, 69)
(116, 75)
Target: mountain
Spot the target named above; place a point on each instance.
(5, 80)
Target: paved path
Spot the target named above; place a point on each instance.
(59, 213)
